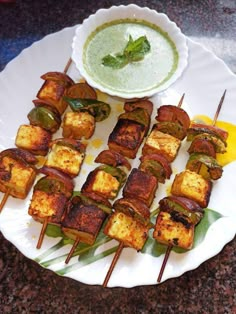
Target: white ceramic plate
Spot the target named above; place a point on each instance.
(203, 82)
(159, 70)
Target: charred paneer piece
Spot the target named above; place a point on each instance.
(33, 138)
(141, 185)
(171, 231)
(44, 205)
(105, 181)
(126, 137)
(66, 156)
(16, 176)
(161, 143)
(82, 220)
(124, 228)
(192, 185)
(78, 125)
(54, 88)
(49, 199)
(176, 221)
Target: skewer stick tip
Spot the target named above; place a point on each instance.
(219, 108)
(167, 254)
(67, 65)
(42, 233)
(4, 200)
(75, 244)
(114, 261)
(181, 100)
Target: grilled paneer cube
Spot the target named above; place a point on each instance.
(44, 205)
(171, 231)
(141, 185)
(65, 157)
(126, 137)
(49, 199)
(33, 138)
(54, 88)
(105, 181)
(161, 143)
(82, 220)
(126, 229)
(16, 176)
(78, 125)
(192, 185)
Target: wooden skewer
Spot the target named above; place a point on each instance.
(169, 248)
(67, 65)
(72, 250)
(114, 261)
(42, 233)
(45, 223)
(181, 101)
(219, 108)
(6, 195)
(121, 245)
(4, 199)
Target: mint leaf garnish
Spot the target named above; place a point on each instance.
(115, 62)
(134, 51)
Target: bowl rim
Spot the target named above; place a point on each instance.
(132, 11)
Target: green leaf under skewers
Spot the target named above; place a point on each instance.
(87, 253)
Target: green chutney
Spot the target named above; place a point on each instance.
(111, 38)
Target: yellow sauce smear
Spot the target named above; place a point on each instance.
(168, 189)
(41, 161)
(230, 155)
(96, 143)
(119, 108)
(89, 159)
(102, 96)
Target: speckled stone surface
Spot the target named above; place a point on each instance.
(26, 287)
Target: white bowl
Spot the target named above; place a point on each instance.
(167, 71)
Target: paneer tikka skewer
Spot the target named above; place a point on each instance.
(104, 182)
(130, 222)
(17, 173)
(191, 189)
(44, 120)
(66, 154)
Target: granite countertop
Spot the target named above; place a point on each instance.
(26, 287)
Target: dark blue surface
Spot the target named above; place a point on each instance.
(8, 50)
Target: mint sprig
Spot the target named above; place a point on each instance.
(134, 51)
